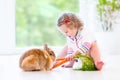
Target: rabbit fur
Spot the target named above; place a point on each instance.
(37, 59)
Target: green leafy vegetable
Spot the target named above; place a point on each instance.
(87, 62)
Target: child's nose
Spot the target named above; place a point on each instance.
(67, 34)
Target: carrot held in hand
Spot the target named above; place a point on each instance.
(62, 61)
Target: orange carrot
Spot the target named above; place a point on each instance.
(59, 63)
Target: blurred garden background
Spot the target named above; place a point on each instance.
(36, 21)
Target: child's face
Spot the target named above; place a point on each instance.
(70, 31)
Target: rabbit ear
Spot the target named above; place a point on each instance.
(45, 47)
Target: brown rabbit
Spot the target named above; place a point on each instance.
(37, 59)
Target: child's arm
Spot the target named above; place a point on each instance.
(70, 57)
(63, 53)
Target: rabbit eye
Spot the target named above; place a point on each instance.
(50, 53)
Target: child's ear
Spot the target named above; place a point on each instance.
(45, 47)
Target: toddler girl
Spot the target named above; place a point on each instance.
(79, 40)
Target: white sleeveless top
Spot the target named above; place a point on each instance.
(81, 42)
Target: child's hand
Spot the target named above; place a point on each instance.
(69, 58)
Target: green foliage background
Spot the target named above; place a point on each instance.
(106, 12)
(36, 21)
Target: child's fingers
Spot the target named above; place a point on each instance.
(69, 59)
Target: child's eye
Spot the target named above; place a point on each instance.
(66, 32)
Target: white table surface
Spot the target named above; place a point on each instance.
(9, 70)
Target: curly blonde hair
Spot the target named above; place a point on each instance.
(70, 19)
